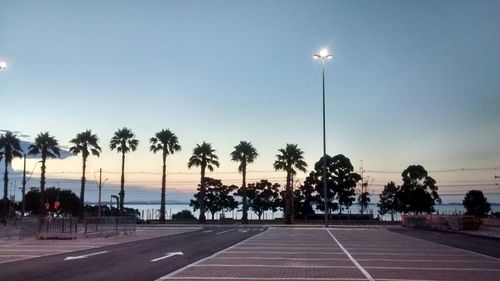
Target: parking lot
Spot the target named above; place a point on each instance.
(21, 249)
(339, 254)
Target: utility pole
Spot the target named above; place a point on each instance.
(23, 204)
(100, 187)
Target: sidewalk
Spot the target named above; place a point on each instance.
(488, 232)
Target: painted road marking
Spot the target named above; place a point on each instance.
(276, 266)
(85, 256)
(168, 255)
(275, 278)
(224, 231)
(282, 258)
(365, 273)
(207, 231)
(173, 273)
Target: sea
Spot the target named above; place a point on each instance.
(152, 211)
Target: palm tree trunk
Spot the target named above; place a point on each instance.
(201, 199)
(288, 203)
(5, 210)
(42, 188)
(82, 189)
(5, 180)
(163, 183)
(244, 218)
(122, 184)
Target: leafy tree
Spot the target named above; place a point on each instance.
(476, 204)
(290, 158)
(303, 199)
(204, 157)
(262, 196)
(85, 143)
(166, 142)
(68, 202)
(48, 147)
(217, 197)
(244, 153)
(341, 182)
(183, 215)
(388, 202)
(363, 200)
(344, 180)
(11, 148)
(418, 193)
(123, 141)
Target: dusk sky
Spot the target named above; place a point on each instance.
(410, 82)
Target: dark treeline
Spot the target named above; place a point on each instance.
(418, 193)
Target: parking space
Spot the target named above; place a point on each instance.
(391, 256)
(14, 250)
(339, 254)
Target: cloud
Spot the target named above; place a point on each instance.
(64, 153)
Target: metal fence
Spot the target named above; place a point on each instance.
(57, 228)
(18, 228)
(72, 228)
(108, 226)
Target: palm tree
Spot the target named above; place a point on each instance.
(123, 141)
(289, 159)
(203, 157)
(11, 147)
(86, 144)
(166, 142)
(244, 153)
(47, 146)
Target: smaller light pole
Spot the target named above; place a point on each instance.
(324, 55)
(100, 188)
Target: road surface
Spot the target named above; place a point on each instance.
(139, 260)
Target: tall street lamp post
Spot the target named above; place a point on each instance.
(324, 55)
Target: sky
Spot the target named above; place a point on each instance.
(410, 82)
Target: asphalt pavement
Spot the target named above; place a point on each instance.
(138, 260)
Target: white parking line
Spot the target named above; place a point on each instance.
(282, 252)
(433, 268)
(275, 278)
(365, 273)
(274, 266)
(224, 231)
(171, 274)
(281, 259)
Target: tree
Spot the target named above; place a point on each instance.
(48, 147)
(217, 197)
(244, 153)
(183, 215)
(123, 141)
(364, 200)
(341, 182)
(85, 143)
(304, 198)
(262, 196)
(204, 157)
(344, 180)
(166, 142)
(418, 194)
(67, 200)
(290, 158)
(476, 204)
(11, 148)
(388, 202)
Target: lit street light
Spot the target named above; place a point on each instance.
(3, 65)
(324, 55)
